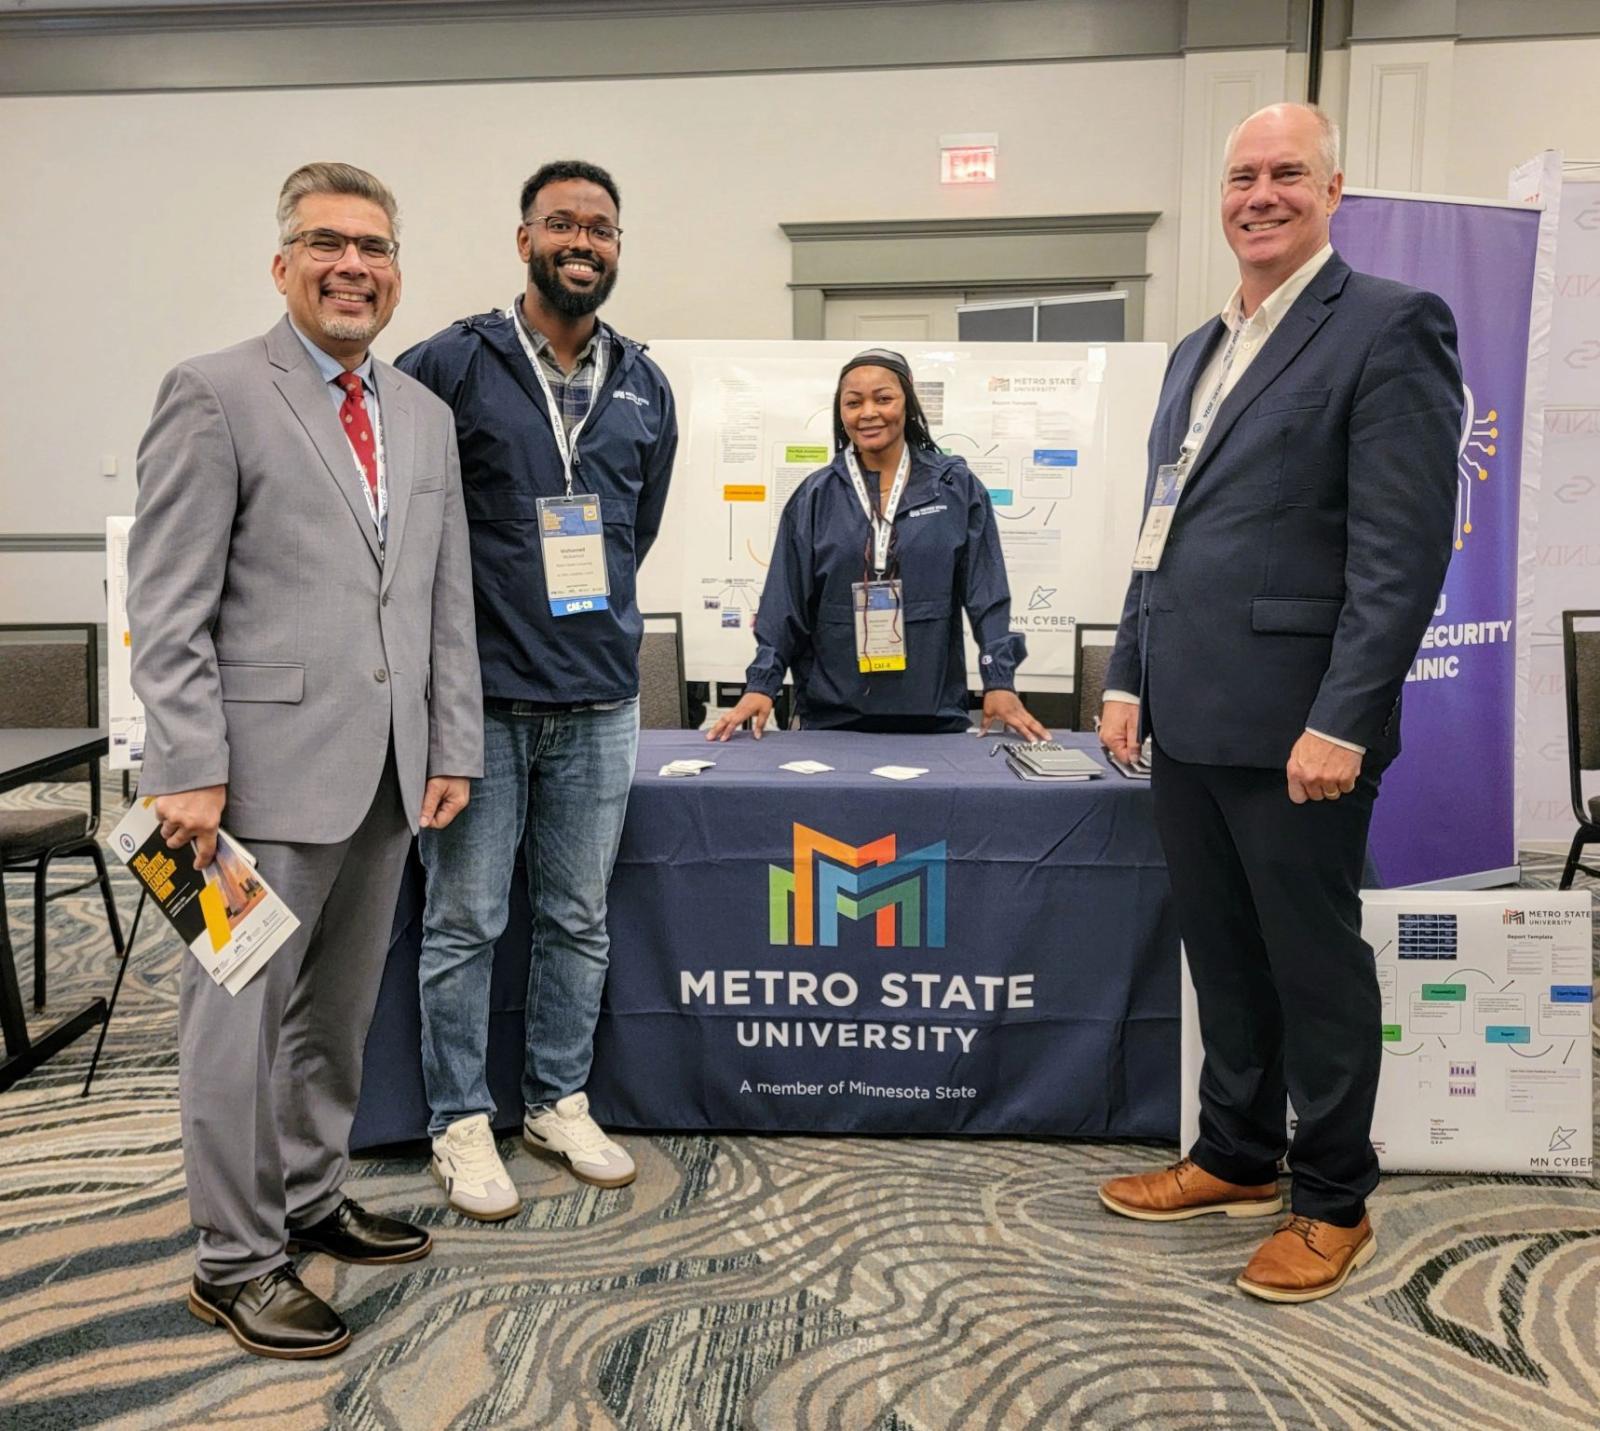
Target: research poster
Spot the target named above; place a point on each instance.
(1056, 432)
(124, 713)
(1488, 1006)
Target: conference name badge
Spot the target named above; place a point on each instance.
(880, 632)
(1158, 520)
(572, 541)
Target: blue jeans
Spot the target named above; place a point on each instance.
(558, 783)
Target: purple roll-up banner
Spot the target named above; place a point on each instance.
(1447, 809)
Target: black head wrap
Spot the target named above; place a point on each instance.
(917, 434)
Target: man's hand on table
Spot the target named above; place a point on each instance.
(193, 815)
(1005, 707)
(1119, 730)
(752, 707)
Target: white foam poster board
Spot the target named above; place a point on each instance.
(1056, 431)
(1488, 1003)
(124, 713)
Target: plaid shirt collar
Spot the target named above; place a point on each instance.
(572, 391)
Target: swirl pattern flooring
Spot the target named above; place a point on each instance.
(766, 1282)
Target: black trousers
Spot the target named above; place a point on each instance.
(1268, 901)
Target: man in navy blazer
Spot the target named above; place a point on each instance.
(1275, 607)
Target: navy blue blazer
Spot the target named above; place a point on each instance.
(1311, 541)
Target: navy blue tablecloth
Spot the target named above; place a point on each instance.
(959, 953)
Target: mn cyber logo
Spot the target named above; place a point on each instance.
(901, 897)
(1561, 1156)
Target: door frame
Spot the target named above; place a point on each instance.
(841, 257)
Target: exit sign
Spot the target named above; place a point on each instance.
(968, 158)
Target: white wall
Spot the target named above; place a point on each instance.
(139, 228)
(1509, 101)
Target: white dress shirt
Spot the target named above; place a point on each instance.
(1253, 334)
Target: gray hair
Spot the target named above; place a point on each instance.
(1327, 137)
(327, 178)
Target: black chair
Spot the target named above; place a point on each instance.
(663, 691)
(50, 679)
(1056, 710)
(1581, 650)
(1089, 662)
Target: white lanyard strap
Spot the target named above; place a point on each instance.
(882, 529)
(1195, 438)
(378, 503)
(565, 445)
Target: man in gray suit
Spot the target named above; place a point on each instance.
(300, 600)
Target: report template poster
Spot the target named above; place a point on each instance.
(1488, 1006)
(124, 713)
(1056, 432)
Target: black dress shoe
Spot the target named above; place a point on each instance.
(272, 1315)
(352, 1234)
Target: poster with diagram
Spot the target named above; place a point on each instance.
(1056, 432)
(1488, 1008)
(124, 712)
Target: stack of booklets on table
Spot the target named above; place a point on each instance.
(1045, 760)
(1139, 769)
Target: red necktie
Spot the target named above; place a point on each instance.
(353, 414)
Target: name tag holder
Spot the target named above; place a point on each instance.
(1170, 477)
(572, 542)
(880, 630)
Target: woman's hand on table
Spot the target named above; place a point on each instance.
(752, 707)
(1003, 706)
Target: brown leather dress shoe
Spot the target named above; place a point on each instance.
(1187, 1190)
(1306, 1259)
(272, 1315)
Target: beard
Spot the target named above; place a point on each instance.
(565, 301)
(350, 330)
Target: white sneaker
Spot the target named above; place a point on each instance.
(467, 1166)
(567, 1131)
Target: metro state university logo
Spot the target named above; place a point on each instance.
(830, 878)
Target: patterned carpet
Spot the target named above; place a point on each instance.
(898, 1285)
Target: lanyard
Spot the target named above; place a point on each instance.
(566, 445)
(1196, 436)
(884, 529)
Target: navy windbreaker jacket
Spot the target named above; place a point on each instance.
(949, 561)
(509, 459)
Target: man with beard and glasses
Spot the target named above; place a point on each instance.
(567, 435)
(300, 601)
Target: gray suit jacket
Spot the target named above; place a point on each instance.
(276, 646)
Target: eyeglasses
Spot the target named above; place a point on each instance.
(561, 227)
(327, 245)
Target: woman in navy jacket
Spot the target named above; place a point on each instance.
(930, 550)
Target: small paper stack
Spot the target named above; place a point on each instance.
(686, 767)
